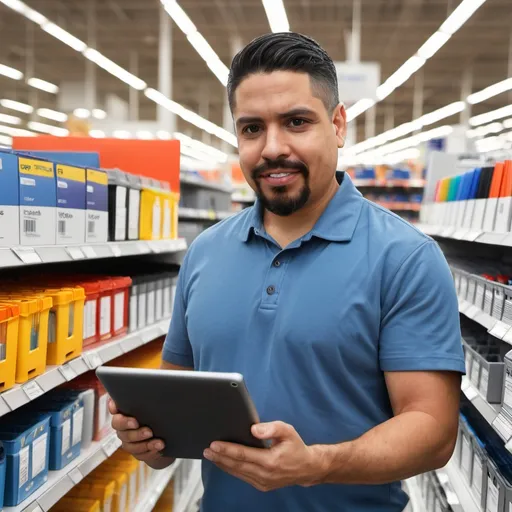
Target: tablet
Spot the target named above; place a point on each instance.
(188, 410)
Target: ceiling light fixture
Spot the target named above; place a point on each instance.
(64, 36)
(10, 72)
(493, 115)
(97, 134)
(16, 105)
(43, 85)
(54, 115)
(489, 92)
(82, 113)
(6, 118)
(276, 14)
(49, 129)
(97, 113)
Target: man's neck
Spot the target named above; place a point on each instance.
(285, 230)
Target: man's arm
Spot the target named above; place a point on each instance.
(420, 438)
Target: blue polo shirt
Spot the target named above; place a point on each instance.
(313, 328)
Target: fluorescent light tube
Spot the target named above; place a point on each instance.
(276, 15)
(500, 113)
(82, 113)
(507, 123)
(16, 105)
(43, 85)
(5, 140)
(121, 134)
(489, 92)
(64, 36)
(25, 10)
(460, 15)
(179, 16)
(359, 107)
(97, 134)
(163, 135)
(442, 113)
(54, 115)
(97, 113)
(144, 135)
(47, 128)
(6, 118)
(433, 44)
(112, 68)
(10, 72)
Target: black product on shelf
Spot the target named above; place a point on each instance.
(117, 205)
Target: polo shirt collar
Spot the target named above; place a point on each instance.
(337, 223)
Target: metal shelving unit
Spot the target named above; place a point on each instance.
(457, 491)
(23, 256)
(54, 376)
(389, 183)
(199, 214)
(198, 182)
(481, 237)
(156, 488)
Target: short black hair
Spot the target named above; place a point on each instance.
(286, 51)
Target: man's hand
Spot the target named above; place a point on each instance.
(288, 462)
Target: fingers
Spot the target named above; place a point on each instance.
(120, 422)
(133, 436)
(140, 448)
(112, 407)
(240, 453)
(274, 430)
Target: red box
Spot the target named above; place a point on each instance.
(120, 304)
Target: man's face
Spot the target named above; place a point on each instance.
(287, 140)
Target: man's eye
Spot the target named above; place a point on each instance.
(296, 123)
(251, 129)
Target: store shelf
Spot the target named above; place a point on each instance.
(242, 198)
(495, 327)
(199, 214)
(23, 256)
(22, 394)
(489, 411)
(198, 182)
(60, 482)
(467, 235)
(458, 492)
(414, 493)
(156, 488)
(192, 491)
(390, 183)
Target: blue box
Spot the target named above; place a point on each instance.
(74, 158)
(38, 201)
(2, 474)
(9, 200)
(26, 448)
(96, 229)
(66, 421)
(71, 208)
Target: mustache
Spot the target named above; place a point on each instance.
(270, 165)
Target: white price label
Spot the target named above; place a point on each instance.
(472, 236)
(27, 255)
(472, 311)
(33, 390)
(89, 251)
(499, 329)
(503, 427)
(465, 384)
(75, 253)
(459, 234)
(76, 476)
(37, 508)
(508, 337)
(67, 372)
(93, 360)
(111, 446)
(464, 306)
(471, 393)
(154, 246)
(116, 250)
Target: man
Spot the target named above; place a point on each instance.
(341, 316)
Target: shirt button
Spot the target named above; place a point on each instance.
(277, 263)
(271, 290)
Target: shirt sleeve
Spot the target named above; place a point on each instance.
(177, 349)
(420, 328)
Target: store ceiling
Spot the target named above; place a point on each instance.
(392, 31)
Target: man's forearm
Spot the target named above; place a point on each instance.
(161, 463)
(406, 445)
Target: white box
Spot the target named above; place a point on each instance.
(490, 214)
(478, 214)
(503, 215)
(96, 221)
(468, 214)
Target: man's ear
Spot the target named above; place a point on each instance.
(339, 122)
